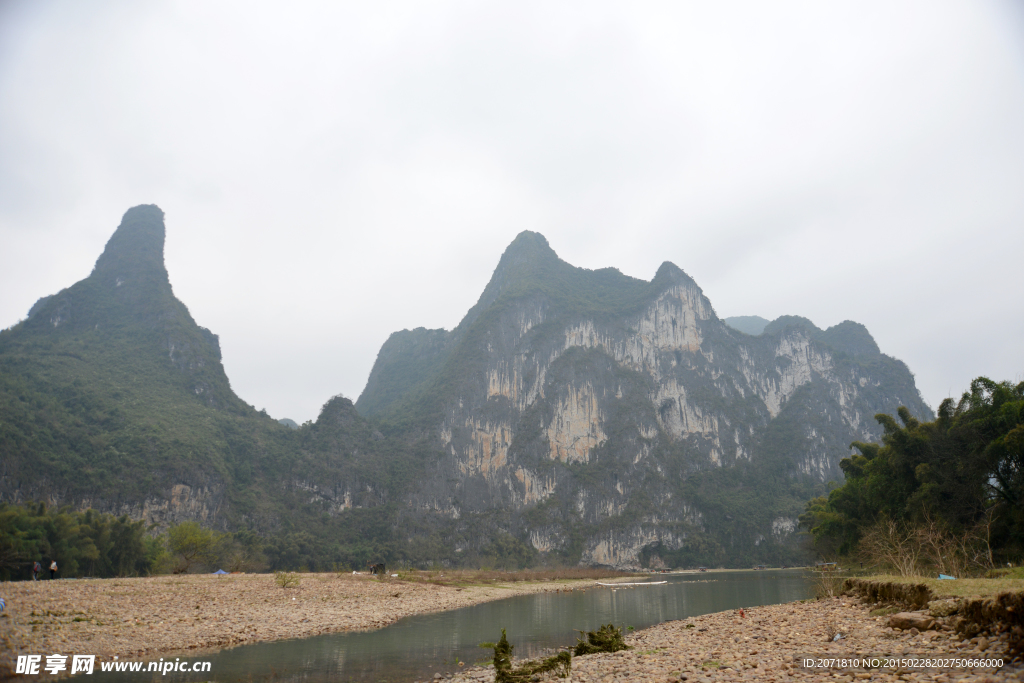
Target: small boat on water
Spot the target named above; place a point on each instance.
(641, 583)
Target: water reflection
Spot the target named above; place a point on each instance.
(417, 647)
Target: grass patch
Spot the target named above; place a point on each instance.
(1006, 573)
(959, 588)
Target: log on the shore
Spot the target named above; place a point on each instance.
(905, 621)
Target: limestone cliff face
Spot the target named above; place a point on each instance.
(624, 419)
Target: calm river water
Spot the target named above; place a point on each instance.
(417, 647)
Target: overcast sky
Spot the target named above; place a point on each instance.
(334, 172)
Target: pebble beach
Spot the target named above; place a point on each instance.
(189, 613)
(770, 643)
(145, 617)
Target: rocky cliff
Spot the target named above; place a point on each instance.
(616, 421)
(572, 416)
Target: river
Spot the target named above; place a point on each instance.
(416, 648)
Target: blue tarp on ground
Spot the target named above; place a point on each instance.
(943, 576)
(220, 571)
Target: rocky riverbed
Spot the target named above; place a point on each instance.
(189, 613)
(771, 643)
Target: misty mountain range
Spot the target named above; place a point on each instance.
(573, 416)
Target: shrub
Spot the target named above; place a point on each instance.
(504, 673)
(286, 579)
(605, 639)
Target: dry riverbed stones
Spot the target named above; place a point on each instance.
(771, 643)
(190, 613)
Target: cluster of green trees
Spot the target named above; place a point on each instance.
(101, 545)
(94, 544)
(947, 494)
(83, 543)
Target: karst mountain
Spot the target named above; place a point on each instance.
(573, 416)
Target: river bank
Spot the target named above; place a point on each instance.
(770, 643)
(129, 618)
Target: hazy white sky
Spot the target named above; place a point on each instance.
(334, 172)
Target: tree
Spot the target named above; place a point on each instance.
(85, 543)
(189, 543)
(961, 476)
(16, 545)
(988, 426)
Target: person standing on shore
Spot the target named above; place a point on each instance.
(53, 569)
(35, 571)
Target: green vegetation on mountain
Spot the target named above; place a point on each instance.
(934, 493)
(415, 367)
(109, 385)
(111, 397)
(529, 266)
(847, 337)
(407, 360)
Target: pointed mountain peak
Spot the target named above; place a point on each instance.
(524, 261)
(852, 338)
(527, 249)
(136, 249)
(529, 241)
(127, 308)
(670, 272)
(128, 285)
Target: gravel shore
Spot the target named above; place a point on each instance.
(769, 643)
(186, 614)
(189, 613)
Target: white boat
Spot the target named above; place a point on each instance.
(642, 583)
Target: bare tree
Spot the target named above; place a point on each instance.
(984, 532)
(946, 552)
(894, 544)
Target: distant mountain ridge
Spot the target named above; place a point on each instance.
(846, 337)
(749, 324)
(615, 420)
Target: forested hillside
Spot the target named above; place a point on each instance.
(113, 398)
